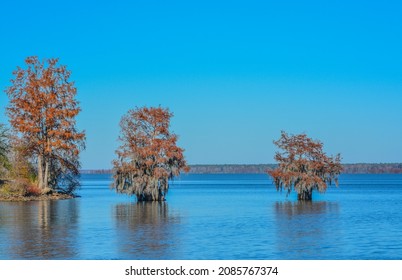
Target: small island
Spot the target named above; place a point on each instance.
(39, 158)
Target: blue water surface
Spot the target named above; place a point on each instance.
(214, 217)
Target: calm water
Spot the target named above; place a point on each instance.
(211, 217)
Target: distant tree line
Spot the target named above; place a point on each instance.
(353, 168)
(373, 168)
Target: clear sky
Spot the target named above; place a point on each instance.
(234, 73)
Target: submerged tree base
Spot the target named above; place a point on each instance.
(305, 196)
(150, 198)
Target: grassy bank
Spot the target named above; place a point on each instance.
(15, 191)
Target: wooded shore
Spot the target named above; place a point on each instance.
(353, 168)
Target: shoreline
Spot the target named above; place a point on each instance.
(45, 197)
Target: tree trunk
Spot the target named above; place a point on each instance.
(43, 174)
(47, 165)
(40, 172)
(46, 188)
(305, 195)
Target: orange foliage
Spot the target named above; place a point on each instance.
(42, 110)
(32, 190)
(304, 166)
(148, 156)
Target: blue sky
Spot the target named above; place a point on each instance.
(234, 73)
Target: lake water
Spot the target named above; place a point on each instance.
(211, 217)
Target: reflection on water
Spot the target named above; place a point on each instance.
(294, 209)
(146, 230)
(304, 228)
(39, 229)
(210, 217)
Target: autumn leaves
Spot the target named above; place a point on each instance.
(303, 166)
(42, 113)
(46, 143)
(148, 155)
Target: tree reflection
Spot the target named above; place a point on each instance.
(146, 230)
(306, 229)
(41, 230)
